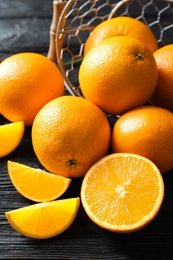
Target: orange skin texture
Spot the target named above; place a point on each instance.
(163, 94)
(118, 74)
(122, 26)
(147, 131)
(28, 81)
(69, 134)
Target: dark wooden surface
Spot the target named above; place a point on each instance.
(24, 26)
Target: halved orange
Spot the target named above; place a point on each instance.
(36, 184)
(122, 192)
(44, 220)
(10, 136)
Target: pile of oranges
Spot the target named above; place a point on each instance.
(123, 70)
(123, 73)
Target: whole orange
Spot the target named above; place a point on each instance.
(147, 131)
(118, 74)
(69, 134)
(163, 94)
(122, 26)
(28, 81)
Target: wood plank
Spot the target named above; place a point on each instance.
(27, 8)
(19, 35)
(24, 26)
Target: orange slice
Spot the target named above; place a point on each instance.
(44, 220)
(36, 184)
(122, 192)
(10, 136)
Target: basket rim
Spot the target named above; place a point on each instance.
(75, 90)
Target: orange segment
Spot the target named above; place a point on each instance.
(36, 184)
(44, 220)
(10, 136)
(122, 192)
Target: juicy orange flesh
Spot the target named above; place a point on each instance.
(10, 137)
(36, 184)
(44, 219)
(128, 195)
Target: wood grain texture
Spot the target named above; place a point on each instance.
(24, 26)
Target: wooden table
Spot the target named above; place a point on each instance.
(24, 26)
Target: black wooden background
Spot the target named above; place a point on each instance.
(24, 26)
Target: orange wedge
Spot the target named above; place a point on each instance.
(36, 184)
(122, 192)
(44, 220)
(10, 136)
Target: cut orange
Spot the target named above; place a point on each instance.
(10, 136)
(122, 192)
(44, 220)
(36, 184)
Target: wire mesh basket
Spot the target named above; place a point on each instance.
(74, 20)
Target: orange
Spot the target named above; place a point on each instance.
(28, 81)
(163, 94)
(11, 135)
(44, 220)
(147, 131)
(122, 192)
(69, 134)
(36, 184)
(122, 26)
(118, 74)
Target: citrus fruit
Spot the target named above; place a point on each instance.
(69, 134)
(122, 192)
(118, 74)
(44, 220)
(28, 81)
(163, 94)
(10, 137)
(122, 26)
(147, 131)
(36, 184)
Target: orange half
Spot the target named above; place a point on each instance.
(10, 137)
(44, 220)
(36, 184)
(122, 192)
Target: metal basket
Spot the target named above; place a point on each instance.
(74, 20)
